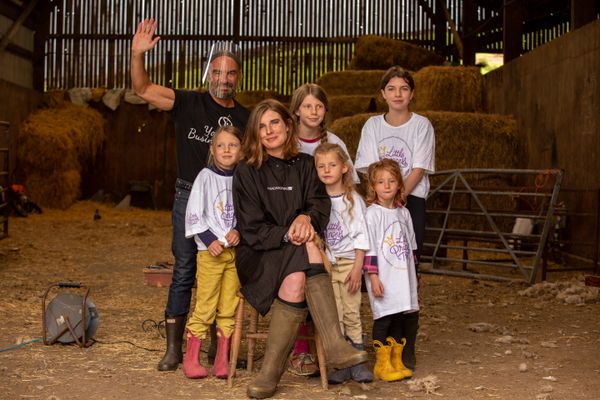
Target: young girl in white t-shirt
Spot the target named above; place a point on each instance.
(210, 220)
(405, 137)
(391, 275)
(347, 240)
(309, 105)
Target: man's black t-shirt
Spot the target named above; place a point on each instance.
(197, 117)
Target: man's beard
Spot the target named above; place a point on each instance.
(220, 94)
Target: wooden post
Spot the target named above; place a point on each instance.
(237, 17)
(181, 67)
(440, 28)
(169, 69)
(583, 12)
(468, 35)
(111, 64)
(39, 45)
(513, 29)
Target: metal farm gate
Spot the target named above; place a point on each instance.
(490, 223)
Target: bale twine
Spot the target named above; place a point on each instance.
(376, 52)
(56, 143)
(351, 82)
(448, 89)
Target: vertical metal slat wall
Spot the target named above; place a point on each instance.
(283, 43)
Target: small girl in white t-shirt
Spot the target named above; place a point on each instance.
(210, 220)
(391, 274)
(347, 240)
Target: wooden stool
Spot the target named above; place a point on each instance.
(252, 334)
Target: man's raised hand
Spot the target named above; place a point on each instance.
(142, 40)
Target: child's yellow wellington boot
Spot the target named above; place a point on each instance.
(396, 358)
(383, 367)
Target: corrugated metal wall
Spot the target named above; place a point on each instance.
(283, 43)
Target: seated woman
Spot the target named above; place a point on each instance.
(281, 205)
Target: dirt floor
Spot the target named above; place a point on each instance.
(477, 339)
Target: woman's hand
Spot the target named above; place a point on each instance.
(233, 238)
(376, 285)
(301, 230)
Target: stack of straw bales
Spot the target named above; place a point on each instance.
(463, 140)
(346, 105)
(448, 89)
(53, 146)
(351, 82)
(376, 52)
(252, 97)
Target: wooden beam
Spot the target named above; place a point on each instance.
(16, 25)
(19, 51)
(583, 12)
(513, 29)
(12, 11)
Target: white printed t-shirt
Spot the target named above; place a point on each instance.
(411, 145)
(392, 241)
(210, 207)
(343, 234)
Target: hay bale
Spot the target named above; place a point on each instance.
(351, 82)
(348, 129)
(377, 52)
(59, 189)
(252, 97)
(54, 98)
(475, 140)
(56, 143)
(345, 105)
(448, 89)
(63, 137)
(98, 93)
